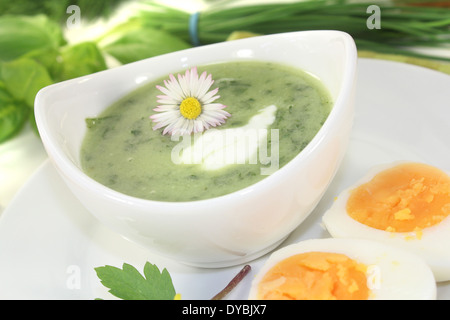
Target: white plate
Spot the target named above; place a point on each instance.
(50, 245)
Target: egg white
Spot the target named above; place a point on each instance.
(393, 274)
(433, 244)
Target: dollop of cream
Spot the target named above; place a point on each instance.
(215, 149)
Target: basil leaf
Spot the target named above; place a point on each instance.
(22, 34)
(49, 58)
(79, 60)
(143, 43)
(13, 114)
(23, 78)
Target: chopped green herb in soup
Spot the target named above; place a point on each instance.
(275, 112)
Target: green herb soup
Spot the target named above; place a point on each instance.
(275, 112)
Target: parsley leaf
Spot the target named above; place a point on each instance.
(128, 284)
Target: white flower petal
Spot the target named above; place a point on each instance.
(174, 87)
(184, 86)
(187, 128)
(166, 91)
(209, 97)
(198, 126)
(171, 102)
(214, 106)
(167, 100)
(164, 119)
(166, 107)
(172, 128)
(205, 82)
(187, 82)
(193, 82)
(210, 120)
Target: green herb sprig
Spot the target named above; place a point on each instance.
(35, 53)
(128, 284)
(403, 25)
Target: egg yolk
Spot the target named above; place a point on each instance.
(315, 276)
(408, 197)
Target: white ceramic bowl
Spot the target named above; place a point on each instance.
(226, 230)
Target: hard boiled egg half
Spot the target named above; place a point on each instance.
(403, 204)
(343, 269)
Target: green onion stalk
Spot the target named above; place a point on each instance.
(403, 24)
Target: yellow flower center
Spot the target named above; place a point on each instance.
(190, 108)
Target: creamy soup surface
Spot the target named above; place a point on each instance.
(275, 112)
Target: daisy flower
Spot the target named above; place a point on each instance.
(187, 106)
